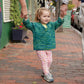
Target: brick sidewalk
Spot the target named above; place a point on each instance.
(19, 64)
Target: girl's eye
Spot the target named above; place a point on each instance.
(44, 16)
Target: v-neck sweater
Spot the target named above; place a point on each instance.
(43, 38)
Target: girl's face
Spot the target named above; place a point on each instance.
(45, 17)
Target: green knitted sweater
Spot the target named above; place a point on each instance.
(43, 38)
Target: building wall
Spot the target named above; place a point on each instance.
(6, 30)
(0, 21)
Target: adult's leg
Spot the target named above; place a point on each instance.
(83, 45)
(82, 24)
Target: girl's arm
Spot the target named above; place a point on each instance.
(63, 12)
(29, 25)
(58, 23)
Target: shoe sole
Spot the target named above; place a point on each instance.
(47, 80)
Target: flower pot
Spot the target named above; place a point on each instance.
(18, 35)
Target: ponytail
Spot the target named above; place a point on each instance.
(37, 14)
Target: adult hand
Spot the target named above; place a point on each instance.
(63, 10)
(24, 12)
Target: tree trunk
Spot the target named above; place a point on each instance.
(57, 9)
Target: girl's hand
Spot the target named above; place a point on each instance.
(26, 17)
(63, 10)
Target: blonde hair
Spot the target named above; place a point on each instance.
(39, 12)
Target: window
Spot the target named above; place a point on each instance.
(6, 10)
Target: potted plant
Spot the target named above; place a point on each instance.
(18, 31)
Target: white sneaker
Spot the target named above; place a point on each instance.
(49, 73)
(48, 77)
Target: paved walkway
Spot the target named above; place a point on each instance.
(19, 64)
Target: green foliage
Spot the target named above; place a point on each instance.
(70, 2)
(54, 3)
(70, 6)
(15, 14)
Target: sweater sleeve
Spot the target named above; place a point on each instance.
(29, 25)
(58, 23)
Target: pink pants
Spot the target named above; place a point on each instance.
(46, 59)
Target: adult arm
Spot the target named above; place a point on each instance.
(63, 10)
(23, 8)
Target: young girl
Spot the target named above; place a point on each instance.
(44, 37)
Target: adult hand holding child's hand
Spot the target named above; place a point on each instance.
(63, 10)
(23, 8)
(23, 12)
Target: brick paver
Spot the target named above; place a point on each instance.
(19, 64)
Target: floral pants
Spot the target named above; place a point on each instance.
(46, 59)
